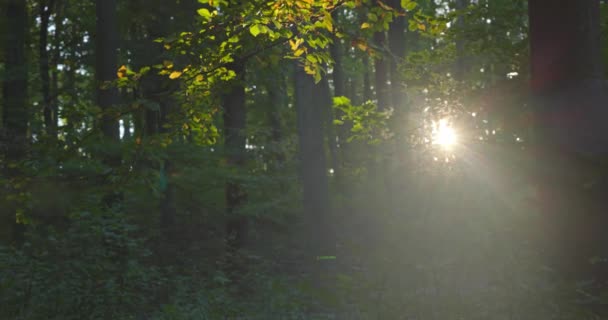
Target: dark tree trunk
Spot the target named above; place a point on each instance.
(338, 136)
(570, 98)
(338, 71)
(367, 82)
(396, 41)
(46, 8)
(324, 99)
(69, 86)
(277, 93)
(106, 65)
(565, 43)
(381, 71)
(14, 93)
(313, 168)
(57, 49)
(460, 67)
(567, 80)
(107, 94)
(233, 103)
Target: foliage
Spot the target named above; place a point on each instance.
(95, 269)
(137, 227)
(366, 123)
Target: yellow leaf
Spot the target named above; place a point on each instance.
(168, 64)
(362, 46)
(122, 72)
(309, 70)
(421, 27)
(293, 45)
(365, 25)
(199, 78)
(175, 74)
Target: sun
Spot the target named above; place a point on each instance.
(444, 135)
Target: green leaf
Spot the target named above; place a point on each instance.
(341, 101)
(408, 5)
(319, 258)
(205, 13)
(255, 30)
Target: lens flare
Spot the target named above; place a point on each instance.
(444, 135)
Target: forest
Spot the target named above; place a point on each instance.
(303, 159)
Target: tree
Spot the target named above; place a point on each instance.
(15, 115)
(313, 166)
(234, 116)
(50, 123)
(460, 67)
(381, 73)
(570, 99)
(106, 66)
(396, 41)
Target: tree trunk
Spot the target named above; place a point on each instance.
(338, 137)
(396, 41)
(381, 71)
(277, 94)
(15, 109)
(313, 170)
(107, 94)
(106, 66)
(324, 99)
(45, 14)
(460, 68)
(367, 82)
(233, 103)
(565, 43)
(57, 49)
(567, 80)
(46, 8)
(338, 71)
(570, 98)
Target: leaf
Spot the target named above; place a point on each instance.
(205, 13)
(408, 5)
(365, 25)
(320, 258)
(255, 30)
(122, 72)
(175, 75)
(295, 44)
(362, 46)
(341, 100)
(311, 58)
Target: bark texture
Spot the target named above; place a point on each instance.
(15, 113)
(313, 167)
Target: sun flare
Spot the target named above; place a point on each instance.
(444, 135)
